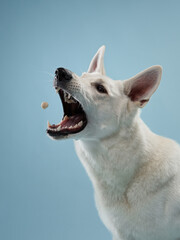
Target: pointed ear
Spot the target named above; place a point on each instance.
(141, 87)
(97, 63)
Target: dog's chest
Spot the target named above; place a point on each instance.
(113, 214)
(110, 185)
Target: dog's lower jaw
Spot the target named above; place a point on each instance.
(125, 173)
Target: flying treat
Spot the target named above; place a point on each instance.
(44, 105)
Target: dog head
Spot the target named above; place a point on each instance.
(95, 106)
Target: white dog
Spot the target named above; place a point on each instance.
(135, 173)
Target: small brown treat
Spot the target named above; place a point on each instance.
(44, 105)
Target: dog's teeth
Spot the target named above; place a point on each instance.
(59, 128)
(70, 127)
(71, 100)
(80, 123)
(48, 124)
(57, 90)
(68, 98)
(65, 117)
(76, 126)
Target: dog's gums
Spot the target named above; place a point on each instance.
(74, 119)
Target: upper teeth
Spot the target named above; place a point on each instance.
(57, 90)
(68, 98)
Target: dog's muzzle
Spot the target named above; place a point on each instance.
(62, 74)
(74, 119)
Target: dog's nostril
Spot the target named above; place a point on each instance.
(63, 74)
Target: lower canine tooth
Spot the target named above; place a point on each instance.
(80, 123)
(65, 117)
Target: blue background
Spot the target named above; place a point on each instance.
(44, 191)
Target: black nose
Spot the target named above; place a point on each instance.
(63, 74)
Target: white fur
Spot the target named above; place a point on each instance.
(135, 173)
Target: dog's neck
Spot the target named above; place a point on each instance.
(113, 162)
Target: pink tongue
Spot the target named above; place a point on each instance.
(72, 121)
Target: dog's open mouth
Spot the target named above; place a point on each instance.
(74, 119)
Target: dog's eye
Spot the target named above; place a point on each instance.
(100, 88)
